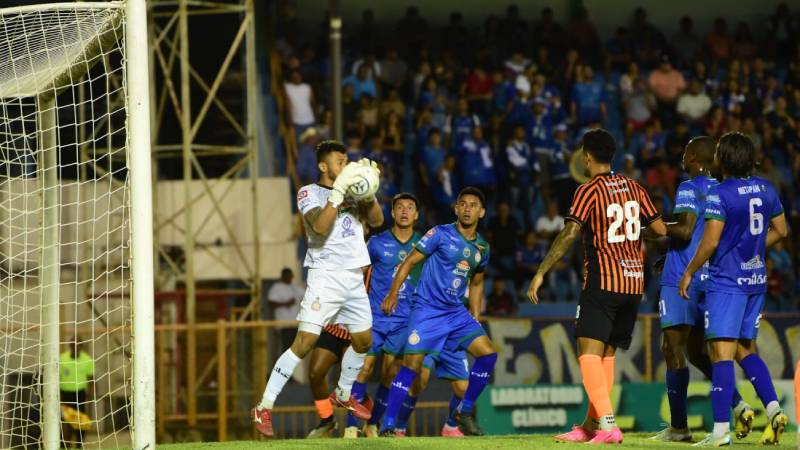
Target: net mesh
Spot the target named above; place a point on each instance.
(63, 150)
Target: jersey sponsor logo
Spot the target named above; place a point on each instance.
(316, 305)
(632, 274)
(453, 248)
(462, 268)
(388, 254)
(478, 257)
(618, 191)
(402, 254)
(456, 283)
(413, 338)
(754, 189)
(303, 193)
(631, 263)
(713, 198)
(754, 263)
(431, 232)
(686, 194)
(347, 227)
(713, 211)
(466, 253)
(752, 280)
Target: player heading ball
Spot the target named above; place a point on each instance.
(336, 256)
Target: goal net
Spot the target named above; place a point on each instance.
(65, 235)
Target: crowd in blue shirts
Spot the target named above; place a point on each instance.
(501, 107)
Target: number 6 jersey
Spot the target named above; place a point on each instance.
(746, 205)
(612, 210)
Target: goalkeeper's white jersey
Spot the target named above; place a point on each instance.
(344, 248)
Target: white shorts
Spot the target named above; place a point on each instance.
(336, 296)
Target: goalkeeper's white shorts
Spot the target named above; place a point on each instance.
(336, 296)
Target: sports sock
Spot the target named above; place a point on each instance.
(405, 412)
(397, 393)
(351, 365)
(283, 370)
(677, 387)
(608, 422)
(704, 365)
(722, 383)
(379, 405)
(358, 391)
(324, 408)
(454, 402)
(595, 384)
(592, 418)
(758, 374)
(478, 379)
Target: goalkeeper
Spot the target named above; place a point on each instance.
(75, 372)
(335, 258)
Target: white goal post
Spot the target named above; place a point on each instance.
(76, 230)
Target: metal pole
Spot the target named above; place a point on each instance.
(144, 372)
(51, 274)
(336, 68)
(186, 121)
(252, 143)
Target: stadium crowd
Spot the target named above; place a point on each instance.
(502, 106)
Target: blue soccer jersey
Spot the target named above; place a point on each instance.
(386, 253)
(690, 199)
(746, 205)
(451, 262)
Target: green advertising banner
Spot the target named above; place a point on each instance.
(638, 406)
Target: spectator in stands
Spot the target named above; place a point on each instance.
(549, 225)
(503, 234)
(479, 90)
(283, 298)
(629, 168)
(392, 104)
(562, 185)
(349, 108)
(395, 70)
(414, 30)
(744, 46)
(782, 31)
(627, 80)
(517, 63)
(694, 104)
(588, 98)
(549, 33)
(300, 103)
(476, 164)
(432, 158)
(368, 31)
(500, 302)
(307, 169)
(456, 37)
(768, 170)
(662, 176)
(718, 42)
(685, 45)
(667, 84)
(562, 281)
(460, 124)
(368, 115)
(355, 150)
(520, 157)
(619, 51)
(639, 105)
(648, 42)
(445, 189)
(513, 29)
(373, 67)
(362, 83)
(676, 141)
(716, 122)
(391, 133)
(528, 259)
(584, 36)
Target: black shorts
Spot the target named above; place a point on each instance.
(75, 400)
(333, 344)
(607, 316)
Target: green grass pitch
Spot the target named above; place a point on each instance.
(537, 441)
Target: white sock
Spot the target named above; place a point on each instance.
(283, 370)
(721, 429)
(608, 423)
(351, 365)
(772, 408)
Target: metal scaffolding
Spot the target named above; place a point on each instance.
(177, 81)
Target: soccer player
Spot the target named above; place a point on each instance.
(329, 350)
(610, 211)
(681, 320)
(335, 258)
(743, 216)
(454, 255)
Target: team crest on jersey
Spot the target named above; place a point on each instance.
(316, 306)
(456, 283)
(431, 232)
(462, 268)
(478, 257)
(466, 253)
(402, 254)
(413, 338)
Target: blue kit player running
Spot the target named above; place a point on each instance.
(454, 255)
(743, 216)
(682, 320)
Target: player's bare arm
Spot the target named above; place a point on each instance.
(390, 302)
(321, 220)
(657, 229)
(475, 298)
(777, 230)
(560, 246)
(371, 212)
(683, 228)
(708, 245)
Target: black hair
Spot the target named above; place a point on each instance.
(704, 148)
(405, 196)
(600, 144)
(737, 154)
(286, 271)
(469, 190)
(327, 147)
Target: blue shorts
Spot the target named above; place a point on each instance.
(674, 310)
(732, 316)
(388, 337)
(451, 364)
(430, 329)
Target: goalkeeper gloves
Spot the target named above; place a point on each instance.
(343, 181)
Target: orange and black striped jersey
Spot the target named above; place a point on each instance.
(338, 331)
(611, 210)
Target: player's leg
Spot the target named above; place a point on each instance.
(400, 387)
(410, 402)
(470, 335)
(723, 320)
(390, 367)
(360, 385)
(327, 353)
(453, 365)
(756, 371)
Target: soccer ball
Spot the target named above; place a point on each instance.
(366, 184)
